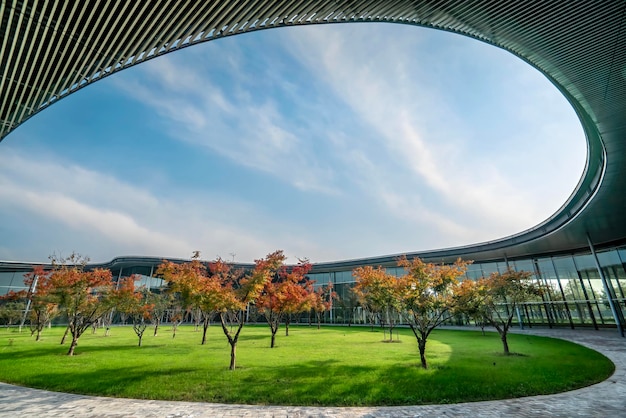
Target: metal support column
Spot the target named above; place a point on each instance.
(31, 292)
(607, 290)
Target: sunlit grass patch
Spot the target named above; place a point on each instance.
(331, 366)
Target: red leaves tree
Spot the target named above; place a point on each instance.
(43, 306)
(426, 293)
(134, 303)
(322, 301)
(195, 288)
(82, 295)
(377, 290)
(235, 293)
(499, 297)
(12, 307)
(287, 292)
(224, 291)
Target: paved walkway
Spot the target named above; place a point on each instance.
(606, 399)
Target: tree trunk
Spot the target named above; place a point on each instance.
(73, 346)
(273, 339)
(65, 335)
(140, 338)
(505, 343)
(205, 327)
(422, 348)
(156, 328)
(233, 354)
(38, 334)
(287, 328)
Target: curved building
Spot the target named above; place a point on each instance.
(50, 49)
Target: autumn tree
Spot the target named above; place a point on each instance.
(160, 302)
(195, 287)
(378, 290)
(287, 292)
(83, 295)
(322, 301)
(469, 295)
(12, 307)
(42, 304)
(500, 296)
(426, 294)
(237, 291)
(134, 303)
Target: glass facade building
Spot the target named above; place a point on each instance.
(580, 292)
(579, 252)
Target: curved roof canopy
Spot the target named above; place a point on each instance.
(51, 48)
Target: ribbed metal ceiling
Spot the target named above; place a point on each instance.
(51, 48)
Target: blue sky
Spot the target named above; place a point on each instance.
(329, 142)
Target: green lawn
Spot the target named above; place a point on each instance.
(333, 366)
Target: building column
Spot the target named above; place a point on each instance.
(607, 290)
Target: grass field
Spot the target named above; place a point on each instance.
(333, 366)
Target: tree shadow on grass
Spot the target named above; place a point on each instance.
(102, 382)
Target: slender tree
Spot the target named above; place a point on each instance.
(287, 293)
(500, 296)
(322, 301)
(82, 295)
(426, 295)
(134, 303)
(195, 287)
(43, 306)
(237, 291)
(12, 307)
(378, 290)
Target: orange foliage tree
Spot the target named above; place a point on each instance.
(134, 303)
(12, 307)
(322, 301)
(377, 290)
(43, 306)
(225, 291)
(236, 292)
(500, 295)
(426, 294)
(286, 293)
(82, 295)
(196, 289)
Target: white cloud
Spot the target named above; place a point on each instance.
(120, 218)
(415, 119)
(383, 138)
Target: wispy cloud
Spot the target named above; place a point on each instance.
(128, 220)
(248, 128)
(472, 193)
(360, 140)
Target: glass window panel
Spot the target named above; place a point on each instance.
(609, 258)
(585, 262)
(474, 272)
(344, 277)
(523, 265)
(489, 268)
